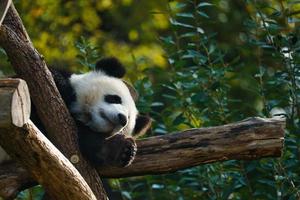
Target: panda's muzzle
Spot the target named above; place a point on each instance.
(121, 119)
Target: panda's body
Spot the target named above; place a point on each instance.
(104, 110)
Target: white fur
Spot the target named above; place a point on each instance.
(90, 89)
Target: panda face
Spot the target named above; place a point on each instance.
(103, 103)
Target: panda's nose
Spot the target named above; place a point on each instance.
(122, 119)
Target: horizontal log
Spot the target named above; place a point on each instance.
(253, 138)
(249, 139)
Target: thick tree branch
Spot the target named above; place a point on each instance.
(249, 139)
(60, 126)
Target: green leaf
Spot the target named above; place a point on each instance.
(180, 5)
(189, 34)
(204, 4)
(200, 30)
(203, 14)
(167, 40)
(176, 23)
(156, 104)
(186, 15)
(126, 195)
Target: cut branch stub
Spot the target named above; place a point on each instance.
(14, 102)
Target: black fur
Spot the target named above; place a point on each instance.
(113, 99)
(111, 66)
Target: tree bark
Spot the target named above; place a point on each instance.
(26, 144)
(30, 65)
(249, 139)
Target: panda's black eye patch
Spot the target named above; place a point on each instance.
(114, 99)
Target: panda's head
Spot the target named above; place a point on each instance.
(104, 102)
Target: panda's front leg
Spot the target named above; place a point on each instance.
(118, 150)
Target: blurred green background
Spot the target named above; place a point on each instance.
(195, 64)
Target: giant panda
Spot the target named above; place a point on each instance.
(103, 106)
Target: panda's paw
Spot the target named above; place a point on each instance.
(118, 151)
(128, 153)
(126, 150)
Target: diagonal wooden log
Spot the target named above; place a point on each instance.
(26, 144)
(253, 138)
(60, 126)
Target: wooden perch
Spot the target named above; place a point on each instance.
(60, 126)
(24, 142)
(249, 139)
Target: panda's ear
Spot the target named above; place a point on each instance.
(111, 66)
(142, 124)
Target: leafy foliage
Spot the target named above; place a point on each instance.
(204, 86)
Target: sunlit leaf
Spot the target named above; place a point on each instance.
(204, 4)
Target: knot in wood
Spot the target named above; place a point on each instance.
(74, 159)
